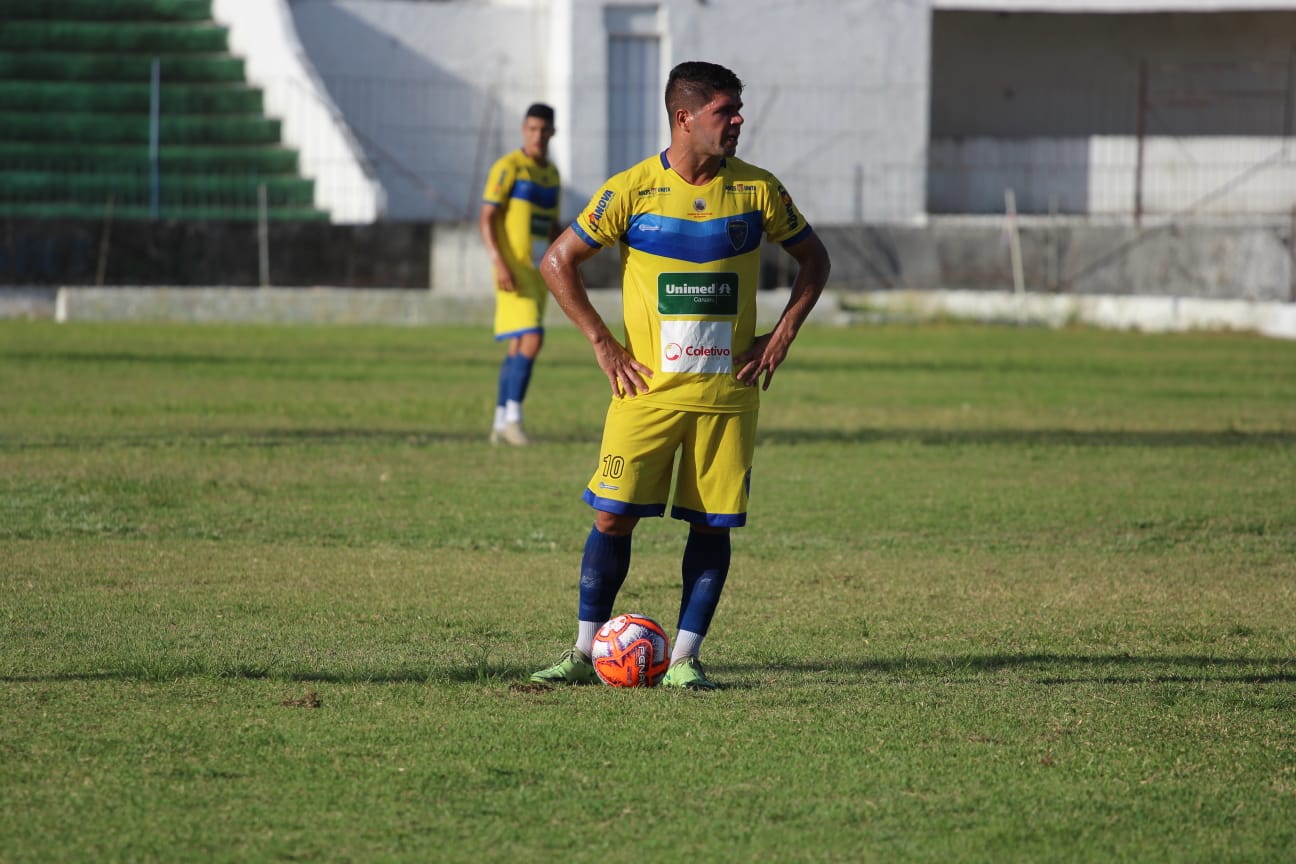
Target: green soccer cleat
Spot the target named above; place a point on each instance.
(572, 668)
(686, 674)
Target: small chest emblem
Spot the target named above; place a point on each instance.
(737, 234)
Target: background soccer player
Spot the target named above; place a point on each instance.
(690, 221)
(518, 220)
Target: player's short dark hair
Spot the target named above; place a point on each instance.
(542, 111)
(694, 83)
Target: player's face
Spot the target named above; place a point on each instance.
(716, 125)
(535, 137)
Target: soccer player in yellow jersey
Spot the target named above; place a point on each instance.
(518, 220)
(689, 222)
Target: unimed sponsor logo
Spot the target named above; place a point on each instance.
(697, 293)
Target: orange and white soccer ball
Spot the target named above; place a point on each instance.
(631, 651)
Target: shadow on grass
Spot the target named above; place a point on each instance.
(936, 437)
(932, 437)
(1032, 668)
(1049, 668)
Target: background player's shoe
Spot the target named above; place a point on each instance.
(512, 434)
(572, 668)
(686, 673)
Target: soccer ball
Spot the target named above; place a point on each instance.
(631, 651)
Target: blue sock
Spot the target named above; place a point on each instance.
(506, 371)
(706, 565)
(519, 377)
(603, 570)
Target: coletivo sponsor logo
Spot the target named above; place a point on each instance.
(699, 347)
(705, 351)
(673, 351)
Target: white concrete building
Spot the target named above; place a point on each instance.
(1105, 108)
(434, 91)
(877, 111)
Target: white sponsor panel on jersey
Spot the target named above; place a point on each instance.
(697, 346)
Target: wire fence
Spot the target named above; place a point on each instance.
(1194, 140)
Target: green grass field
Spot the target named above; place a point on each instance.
(1005, 595)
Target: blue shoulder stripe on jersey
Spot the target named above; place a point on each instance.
(797, 237)
(540, 196)
(696, 242)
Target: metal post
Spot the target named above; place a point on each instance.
(102, 267)
(1291, 251)
(1055, 253)
(1141, 124)
(263, 236)
(155, 134)
(1287, 102)
(1014, 249)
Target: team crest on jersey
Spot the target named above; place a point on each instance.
(737, 230)
(699, 204)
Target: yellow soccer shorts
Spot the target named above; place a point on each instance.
(523, 310)
(709, 456)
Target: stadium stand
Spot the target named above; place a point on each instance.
(75, 117)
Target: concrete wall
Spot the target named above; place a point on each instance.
(262, 33)
(836, 97)
(1053, 106)
(1248, 262)
(338, 306)
(430, 90)
(1162, 277)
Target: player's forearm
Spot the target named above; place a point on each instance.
(486, 225)
(560, 269)
(572, 297)
(811, 278)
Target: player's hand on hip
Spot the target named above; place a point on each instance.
(628, 377)
(762, 358)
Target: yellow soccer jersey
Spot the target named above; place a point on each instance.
(529, 194)
(690, 260)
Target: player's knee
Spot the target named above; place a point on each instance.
(614, 524)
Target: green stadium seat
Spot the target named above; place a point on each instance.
(75, 101)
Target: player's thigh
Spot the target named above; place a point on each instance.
(636, 459)
(714, 480)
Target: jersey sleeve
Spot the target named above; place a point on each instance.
(783, 221)
(499, 183)
(606, 216)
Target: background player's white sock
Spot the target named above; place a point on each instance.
(499, 418)
(512, 411)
